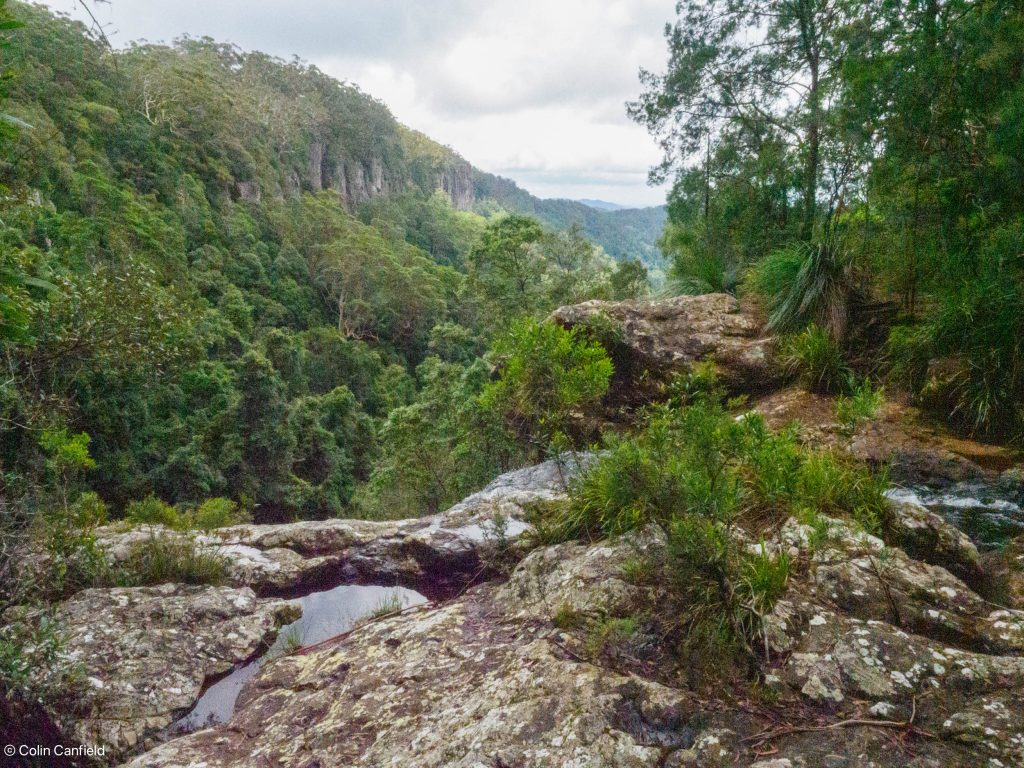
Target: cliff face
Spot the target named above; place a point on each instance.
(358, 178)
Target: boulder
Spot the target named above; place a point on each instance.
(145, 653)
(659, 338)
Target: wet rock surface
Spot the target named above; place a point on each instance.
(671, 335)
(144, 654)
(900, 438)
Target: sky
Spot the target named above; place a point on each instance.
(533, 90)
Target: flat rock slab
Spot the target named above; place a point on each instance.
(145, 653)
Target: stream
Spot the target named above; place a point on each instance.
(324, 615)
(989, 513)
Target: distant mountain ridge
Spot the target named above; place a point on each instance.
(602, 205)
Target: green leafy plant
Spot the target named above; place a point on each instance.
(816, 360)
(154, 511)
(217, 513)
(547, 373)
(863, 404)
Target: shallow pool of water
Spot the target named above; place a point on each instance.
(990, 514)
(324, 615)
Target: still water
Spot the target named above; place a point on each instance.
(324, 615)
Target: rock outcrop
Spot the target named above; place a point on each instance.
(437, 555)
(670, 336)
(864, 634)
(145, 653)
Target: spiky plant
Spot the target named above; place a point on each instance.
(807, 283)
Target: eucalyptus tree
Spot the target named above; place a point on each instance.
(746, 65)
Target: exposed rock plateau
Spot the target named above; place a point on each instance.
(489, 679)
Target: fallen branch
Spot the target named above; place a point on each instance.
(760, 738)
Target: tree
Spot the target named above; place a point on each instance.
(505, 266)
(739, 63)
(629, 280)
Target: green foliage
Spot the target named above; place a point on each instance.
(629, 280)
(32, 658)
(547, 373)
(816, 360)
(807, 284)
(154, 511)
(696, 472)
(882, 137)
(863, 404)
(217, 513)
(171, 560)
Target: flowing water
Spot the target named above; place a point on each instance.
(324, 615)
(990, 513)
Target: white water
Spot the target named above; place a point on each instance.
(984, 512)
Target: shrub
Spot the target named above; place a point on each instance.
(695, 472)
(862, 405)
(816, 360)
(807, 284)
(547, 373)
(32, 660)
(218, 513)
(979, 330)
(154, 511)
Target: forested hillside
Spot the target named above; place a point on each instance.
(231, 277)
(850, 162)
(629, 233)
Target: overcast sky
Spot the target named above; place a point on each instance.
(529, 89)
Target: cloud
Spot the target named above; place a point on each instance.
(531, 89)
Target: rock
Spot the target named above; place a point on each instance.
(1006, 570)
(488, 679)
(924, 535)
(453, 686)
(438, 555)
(992, 726)
(577, 579)
(146, 652)
(924, 599)
(671, 335)
(900, 438)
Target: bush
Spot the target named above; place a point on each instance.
(547, 374)
(695, 472)
(154, 511)
(816, 360)
(807, 284)
(218, 513)
(862, 405)
(167, 559)
(977, 333)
